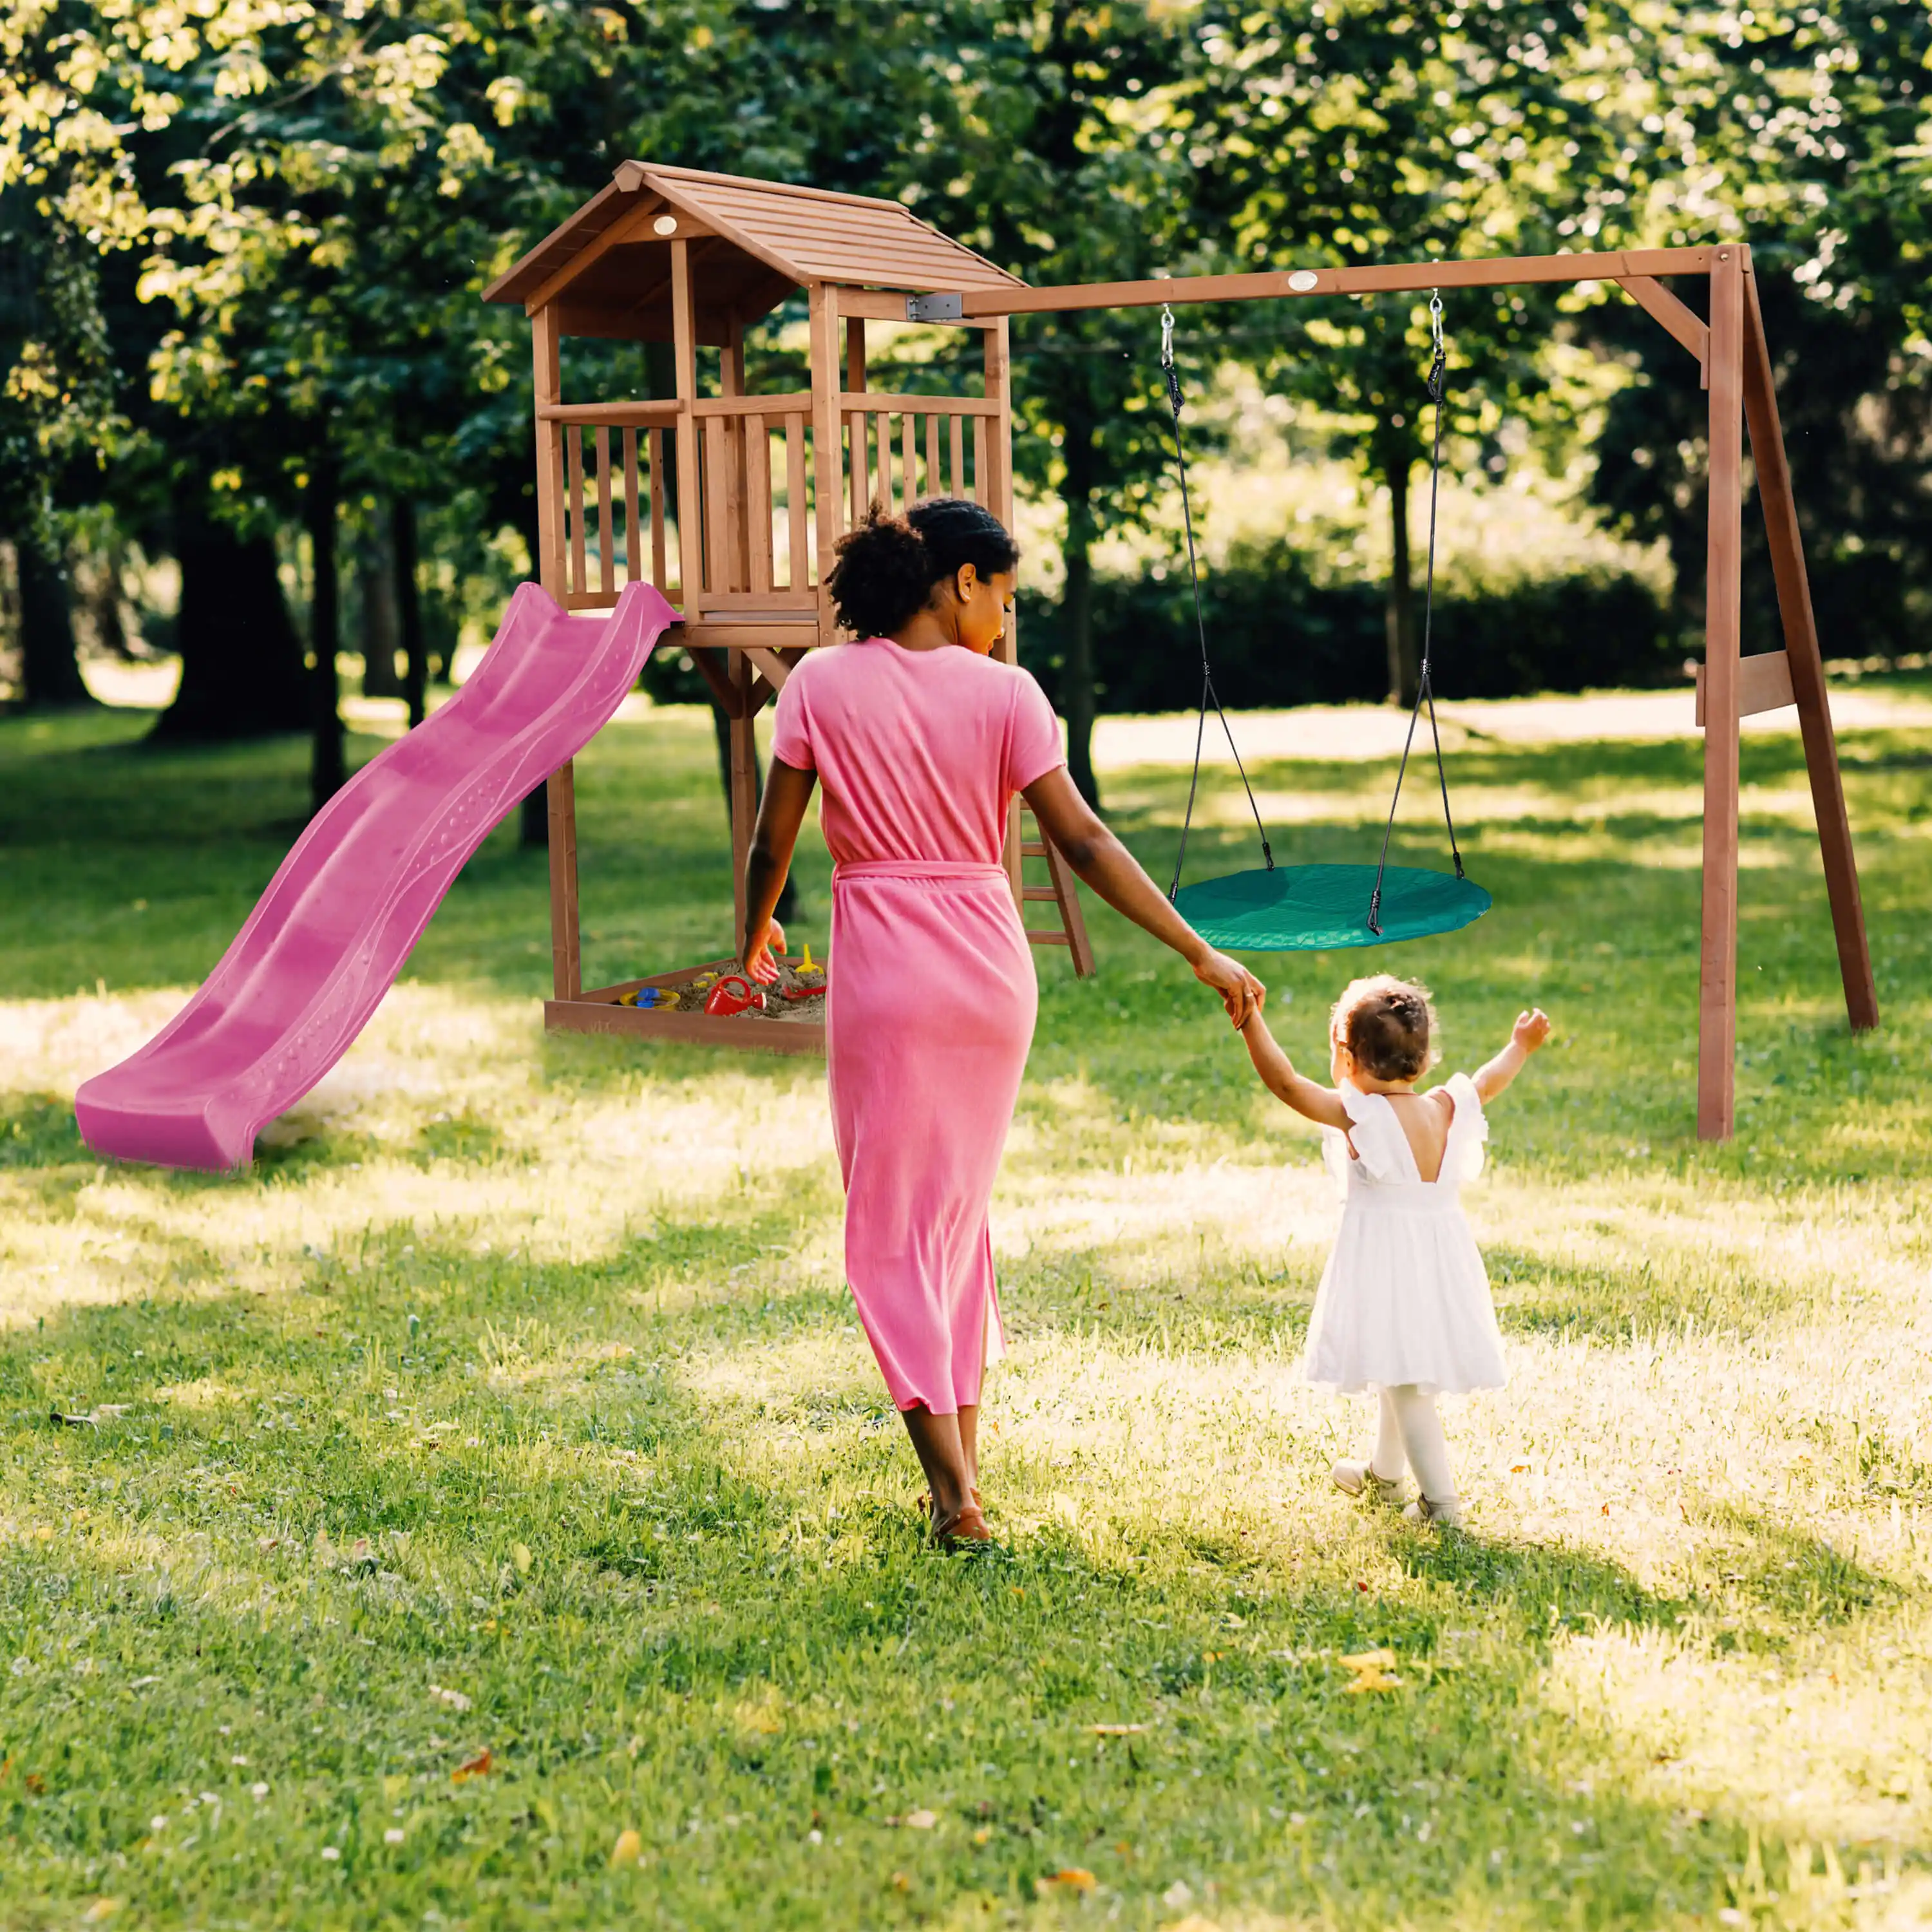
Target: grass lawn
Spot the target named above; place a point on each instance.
(491, 1515)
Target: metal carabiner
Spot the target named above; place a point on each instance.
(1436, 317)
(1166, 336)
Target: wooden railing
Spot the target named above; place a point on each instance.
(755, 545)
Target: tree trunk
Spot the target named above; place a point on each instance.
(381, 623)
(241, 658)
(1076, 611)
(408, 608)
(1399, 604)
(327, 767)
(50, 677)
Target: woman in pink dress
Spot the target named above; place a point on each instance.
(921, 739)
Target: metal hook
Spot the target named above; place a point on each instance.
(1436, 317)
(1166, 336)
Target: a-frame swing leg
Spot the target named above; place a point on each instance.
(1718, 954)
(1807, 665)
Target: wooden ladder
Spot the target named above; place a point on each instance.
(1061, 891)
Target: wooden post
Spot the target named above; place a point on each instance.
(1717, 975)
(690, 498)
(856, 424)
(823, 302)
(1807, 665)
(744, 786)
(560, 793)
(996, 492)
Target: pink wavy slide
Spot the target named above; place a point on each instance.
(327, 939)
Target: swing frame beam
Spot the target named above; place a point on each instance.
(1734, 368)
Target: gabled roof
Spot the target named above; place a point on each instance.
(756, 242)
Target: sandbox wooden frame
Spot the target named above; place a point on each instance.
(861, 260)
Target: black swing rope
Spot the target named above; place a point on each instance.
(1208, 694)
(1424, 692)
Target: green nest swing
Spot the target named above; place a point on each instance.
(1321, 908)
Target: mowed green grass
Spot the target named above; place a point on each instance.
(513, 1404)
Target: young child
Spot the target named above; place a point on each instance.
(1404, 1305)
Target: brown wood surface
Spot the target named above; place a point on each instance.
(1382, 277)
(778, 403)
(632, 410)
(717, 567)
(1806, 667)
(792, 1036)
(633, 566)
(565, 952)
(908, 460)
(1717, 976)
(684, 359)
(606, 546)
(573, 451)
(715, 668)
(936, 406)
(797, 536)
(633, 224)
(773, 634)
(956, 430)
(744, 789)
(1681, 322)
(546, 382)
(1764, 684)
(660, 567)
(1064, 891)
(768, 660)
(935, 477)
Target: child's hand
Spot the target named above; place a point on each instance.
(1531, 1030)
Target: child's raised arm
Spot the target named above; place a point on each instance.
(1322, 1104)
(1531, 1030)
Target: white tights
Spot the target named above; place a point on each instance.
(1410, 1431)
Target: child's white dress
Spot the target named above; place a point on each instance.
(1405, 1297)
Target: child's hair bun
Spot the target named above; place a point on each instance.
(1388, 1026)
(886, 567)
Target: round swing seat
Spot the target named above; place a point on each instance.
(1322, 908)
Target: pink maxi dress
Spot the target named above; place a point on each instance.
(932, 997)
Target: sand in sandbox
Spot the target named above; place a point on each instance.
(777, 1009)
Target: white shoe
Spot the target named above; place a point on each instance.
(1447, 1512)
(1355, 1479)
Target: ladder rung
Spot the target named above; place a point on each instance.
(1040, 892)
(1030, 849)
(1043, 938)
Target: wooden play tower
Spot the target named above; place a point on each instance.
(730, 503)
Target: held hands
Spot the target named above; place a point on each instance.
(757, 964)
(1531, 1030)
(1241, 993)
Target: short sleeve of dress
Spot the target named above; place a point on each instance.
(1381, 1147)
(1033, 736)
(1469, 1130)
(791, 725)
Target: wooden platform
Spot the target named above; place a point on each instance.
(595, 1010)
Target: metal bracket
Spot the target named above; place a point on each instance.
(936, 308)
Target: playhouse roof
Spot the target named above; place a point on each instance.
(754, 243)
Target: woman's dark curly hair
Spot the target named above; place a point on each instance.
(1389, 1026)
(886, 567)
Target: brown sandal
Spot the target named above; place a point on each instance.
(965, 1525)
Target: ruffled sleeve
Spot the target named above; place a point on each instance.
(1468, 1130)
(1381, 1147)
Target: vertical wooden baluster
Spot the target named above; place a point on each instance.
(739, 544)
(717, 532)
(574, 447)
(822, 309)
(857, 424)
(979, 490)
(607, 544)
(959, 440)
(882, 495)
(935, 482)
(909, 464)
(758, 508)
(798, 574)
(660, 570)
(690, 498)
(633, 536)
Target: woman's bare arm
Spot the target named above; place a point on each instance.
(1321, 1105)
(788, 792)
(1103, 862)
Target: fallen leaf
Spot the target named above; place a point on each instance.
(519, 1555)
(627, 1850)
(1075, 1878)
(983, 1836)
(101, 1908)
(454, 1699)
(1368, 1660)
(1371, 1669)
(900, 1882)
(1117, 1730)
(35, 1782)
(479, 1766)
(921, 1820)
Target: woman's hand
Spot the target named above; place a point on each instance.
(1241, 993)
(759, 941)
